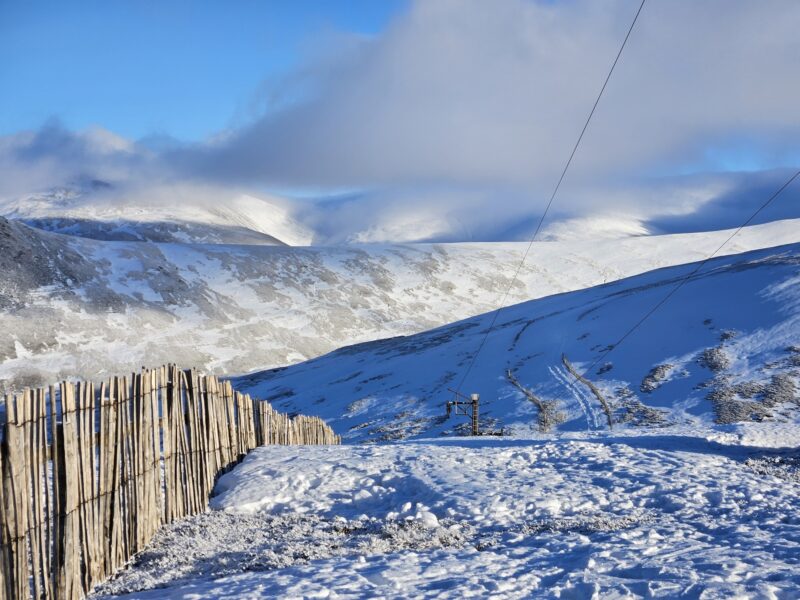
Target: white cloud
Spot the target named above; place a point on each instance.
(460, 116)
(32, 161)
(474, 92)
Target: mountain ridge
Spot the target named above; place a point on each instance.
(98, 307)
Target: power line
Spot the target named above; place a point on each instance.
(687, 277)
(502, 304)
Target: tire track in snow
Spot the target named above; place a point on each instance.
(564, 378)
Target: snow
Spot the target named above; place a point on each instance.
(618, 226)
(679, 506)
(180, 213)
(693, 494)
(742, 310)
(603, 515)
(233, 309)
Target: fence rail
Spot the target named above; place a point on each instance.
(88, 474)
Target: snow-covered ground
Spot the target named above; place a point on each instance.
(725, 348)
(78, 307)
(670, 514)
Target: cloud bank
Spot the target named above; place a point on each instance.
(456, 121)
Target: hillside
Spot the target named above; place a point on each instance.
(95, 209)
(78, 307)
(692, 494)
(724, 349)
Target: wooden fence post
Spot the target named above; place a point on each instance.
(81, 484)
(5, 563)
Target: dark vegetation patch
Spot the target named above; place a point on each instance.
(656, 377)
(403, 425)
(587, 525)
(357, 406)
(520, 332)
(363, 425)
(376, 378)
(783, 467)
(605, 368)
(347, 378)
(781, 388)
(714, 359)
(749, 389)
(632, 411)
(751, 400)
(730, 409)
(280, 395)
(486, 426)
(217, 544)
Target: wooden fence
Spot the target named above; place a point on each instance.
(89, 474)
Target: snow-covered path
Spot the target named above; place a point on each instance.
(673, 514)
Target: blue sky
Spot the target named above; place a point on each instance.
(184, 69)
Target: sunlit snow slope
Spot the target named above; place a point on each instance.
(171, 214)
(725, 348)
(78, 307)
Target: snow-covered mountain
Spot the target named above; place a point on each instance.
(651, 508)
(724, 349)
(95, 209)
(78, 307)
(686, 497)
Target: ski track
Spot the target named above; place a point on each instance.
(581, 397)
